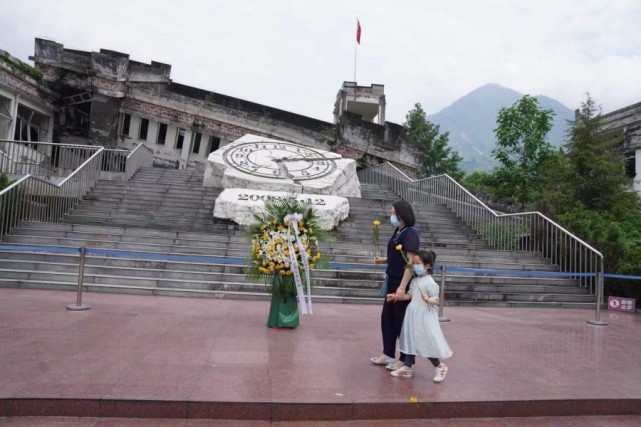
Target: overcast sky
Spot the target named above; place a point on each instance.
(295, 55)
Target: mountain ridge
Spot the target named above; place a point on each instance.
(471, 121)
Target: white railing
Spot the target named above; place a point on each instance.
(32, 198)
(42, 158)
(528, 231)
(141, 157)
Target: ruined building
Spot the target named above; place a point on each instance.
(105, 98)
(624, 125)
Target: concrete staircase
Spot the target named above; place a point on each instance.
(164, 212)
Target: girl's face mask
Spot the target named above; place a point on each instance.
(394, 220)
(419, 269)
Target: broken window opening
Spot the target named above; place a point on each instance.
(180, 138)
(126, 123)
(144, 127)
(31, 125)
(214, 144)
(196, 147)
(162, 133)
(630, 166)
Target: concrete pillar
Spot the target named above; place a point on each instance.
(637, 169)
(14, 116)
(186, 150)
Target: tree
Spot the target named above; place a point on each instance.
(522, 149)
(597, 168)
(437, 157)
(592, 196)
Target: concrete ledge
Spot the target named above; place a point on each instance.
(313, 411)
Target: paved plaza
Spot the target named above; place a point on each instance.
(187, 358)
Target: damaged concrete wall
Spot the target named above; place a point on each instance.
(120, 85)
(104, 119)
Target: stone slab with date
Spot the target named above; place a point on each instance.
(260, 163)
(239, 205)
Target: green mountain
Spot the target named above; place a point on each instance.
(471, 121)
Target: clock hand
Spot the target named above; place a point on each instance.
(311, 159)
(283, 167)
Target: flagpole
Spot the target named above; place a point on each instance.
(358, 41)
(355, 49)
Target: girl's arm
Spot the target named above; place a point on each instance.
(380, 260)
(430, 300)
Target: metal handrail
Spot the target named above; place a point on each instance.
(137, 159)
(527, 231)
(42, 158)
(32, 198)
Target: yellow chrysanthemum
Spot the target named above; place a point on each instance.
(311, 265)
(376, 222)
(399, 247)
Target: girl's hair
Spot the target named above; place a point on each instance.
(405, 212)
(427, 257)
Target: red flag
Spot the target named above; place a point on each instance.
(358, 32)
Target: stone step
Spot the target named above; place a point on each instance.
(162, 211)
(236, 239)
(219, 275)
(240, 252)
(237, 283)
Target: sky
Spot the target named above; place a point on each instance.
(295, 55)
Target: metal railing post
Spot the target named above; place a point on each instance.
(81, 272)
(599, 298)
(441, 298)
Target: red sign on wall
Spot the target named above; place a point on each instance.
(622, 304)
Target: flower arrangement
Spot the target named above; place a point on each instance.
(408, 263)
(375, 234)
(284, 242)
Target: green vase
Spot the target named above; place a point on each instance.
(283, 311)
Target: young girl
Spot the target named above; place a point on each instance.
(421, 333)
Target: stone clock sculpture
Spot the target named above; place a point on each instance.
(279, 160)
(254, 162)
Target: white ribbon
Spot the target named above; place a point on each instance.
(293, 223)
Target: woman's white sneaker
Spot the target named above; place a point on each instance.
(440, 372)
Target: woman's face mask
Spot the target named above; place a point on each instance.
(395, 222)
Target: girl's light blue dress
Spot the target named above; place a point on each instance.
(421, 333)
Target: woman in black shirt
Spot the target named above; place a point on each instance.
(398, 278)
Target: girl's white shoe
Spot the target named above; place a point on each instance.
(439, 374)
(402, 372)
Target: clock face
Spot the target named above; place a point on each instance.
(279, 160)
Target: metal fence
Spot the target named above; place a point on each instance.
(528, 231)
(43, 199)
(44, 159)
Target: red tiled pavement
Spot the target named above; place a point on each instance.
(165, 357)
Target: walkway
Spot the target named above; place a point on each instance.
(169, 357)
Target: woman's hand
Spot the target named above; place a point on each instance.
(390, 297)
(380, 260)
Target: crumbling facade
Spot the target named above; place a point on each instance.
(625, 125)
(27, 105)
(107, 99)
